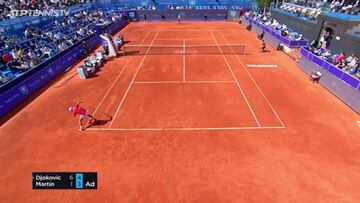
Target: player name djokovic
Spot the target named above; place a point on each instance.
(48, 177)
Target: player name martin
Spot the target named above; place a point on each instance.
(45, 184)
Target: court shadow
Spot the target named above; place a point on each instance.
(94, 76)
(130, 53)
(100, 122)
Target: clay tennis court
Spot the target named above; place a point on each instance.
(193, 113)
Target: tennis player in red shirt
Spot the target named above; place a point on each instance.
(77, 110)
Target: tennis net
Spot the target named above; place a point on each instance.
(184, 50)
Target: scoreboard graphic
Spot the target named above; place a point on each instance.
(68, 180)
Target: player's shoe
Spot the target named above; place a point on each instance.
(80, 129)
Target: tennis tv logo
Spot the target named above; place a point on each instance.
(26, 12)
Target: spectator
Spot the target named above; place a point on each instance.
(341, 65)
(20, 65)
(46, 51)
(31, 54)
(310, 9)
(339, 58)
(326, 38)
(6, 57)
(350, 58)
(273, 24)
(62, 46)
(81, 32)
(299, 37)
(58, 35)
(44, 44)
(14, 54)
(21, 53)
(326, 54)
(313, 45)
(352, 65)
(284, 33)
(33, 63)
(28, 33)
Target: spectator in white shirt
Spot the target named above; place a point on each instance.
(81, 32)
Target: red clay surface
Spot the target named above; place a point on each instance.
(188, 128)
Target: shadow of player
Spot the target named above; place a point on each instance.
(100, 122)
(131, 53)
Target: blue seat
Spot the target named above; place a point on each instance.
(7, 73)
(17, 74)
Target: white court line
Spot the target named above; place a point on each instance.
(210, 81)
(180, 39)
(117, 78)
(184, 60)
(157, 82)
(237, 82)
(108, 91)
(186, 129)
(188, 81)
(181, 46)
(196, 30)
(127, 91)
(257, 86)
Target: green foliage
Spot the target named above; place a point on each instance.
(263, 3)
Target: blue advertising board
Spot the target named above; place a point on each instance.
(343, 85)
(132, 15)
(349, 79)
(155, 15)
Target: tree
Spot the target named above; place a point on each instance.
(263, 4)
